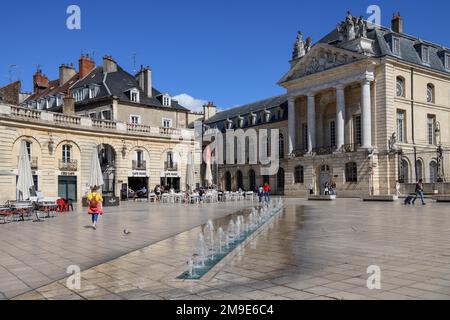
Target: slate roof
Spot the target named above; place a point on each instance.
(409, 47)
(256, 107)
(117, 84)
(112, 84)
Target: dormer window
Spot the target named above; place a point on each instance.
(425, 55)
(447, 61)
(166, 100)
(267, 115)
(253, 118)
(59, 101)
(241, 122)
(134, 95)
(396, 46)
(93, 91)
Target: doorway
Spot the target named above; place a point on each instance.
(67, 188)
(324, 177)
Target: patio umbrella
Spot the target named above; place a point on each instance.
(25, 176)
(208, 172)
(96, 175)
(190, 172)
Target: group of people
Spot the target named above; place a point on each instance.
(330, 188)
(264, 193)
(141, 193)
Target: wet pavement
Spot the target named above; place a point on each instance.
(36, 254)
(314, 250)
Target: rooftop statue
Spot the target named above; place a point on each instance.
(301, 47)
(352, 28)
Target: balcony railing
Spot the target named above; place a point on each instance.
(170, 166)
(139, 165)
(33, 162)
(68, 165)
(169, 131)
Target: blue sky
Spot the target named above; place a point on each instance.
(227, 51)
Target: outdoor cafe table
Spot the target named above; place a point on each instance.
(23, 208)
(47, 207)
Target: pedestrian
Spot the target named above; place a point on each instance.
(260, 194)
(333, 188)
(397, 188)
(311, 189)
(267, 192)
(419, 192)
(95, 206)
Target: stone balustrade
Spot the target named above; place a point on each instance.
(59, 119)
(65, 119)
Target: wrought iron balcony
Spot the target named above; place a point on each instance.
(33, 162)
(170, 166)
(139, 165)
(68, 165)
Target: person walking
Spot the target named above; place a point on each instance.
(267, 192)
(95, 206)
(397, 188)
(260, 194)
(419, 192)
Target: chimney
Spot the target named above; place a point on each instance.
(40, 82)
(66, 72)
(144, 78)
(397, 23)
(69, 104)
(209, 111)
(109, 65)
(85, 66)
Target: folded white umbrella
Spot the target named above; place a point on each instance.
(190, 172)
(208, 172)
(96, 174)
(25, 176)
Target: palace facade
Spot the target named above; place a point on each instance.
(365, 106)
(140, 134)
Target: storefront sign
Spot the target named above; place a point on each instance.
(68, 173)
(170, 174)
(138, 173)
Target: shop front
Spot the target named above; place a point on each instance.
(171, 180)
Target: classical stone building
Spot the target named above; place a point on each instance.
(364, 107)
(141, 135)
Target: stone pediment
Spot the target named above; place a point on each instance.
(321, 58)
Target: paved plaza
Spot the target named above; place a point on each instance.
(315, 250)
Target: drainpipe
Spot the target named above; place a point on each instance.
(412, 122)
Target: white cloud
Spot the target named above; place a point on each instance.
(190, 102)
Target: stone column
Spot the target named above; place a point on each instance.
(366, 116)
(291, 124)
(340, 117)
(311, 122)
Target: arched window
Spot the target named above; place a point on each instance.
(433, 171)
(227, 181)
(280, 179)
(351, 172)
(66, 153)
(170, 161)
(403, 171)
(419, 168)
(239, 180)
(281, 146)
(252, 180)
(400, 87)
(299, 176)
(430, 93)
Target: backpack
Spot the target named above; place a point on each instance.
(93, 204)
